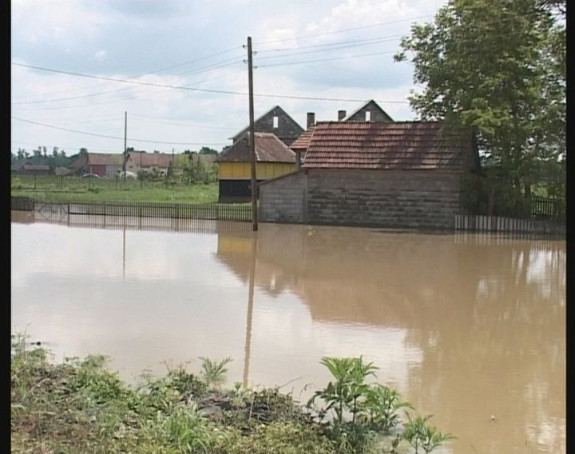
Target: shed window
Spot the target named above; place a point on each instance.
(276, 121)
(367, 115)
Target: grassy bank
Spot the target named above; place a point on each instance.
(70, 189)
(80, 406)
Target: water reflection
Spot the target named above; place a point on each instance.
(465, 326)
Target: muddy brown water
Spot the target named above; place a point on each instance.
(465, 326)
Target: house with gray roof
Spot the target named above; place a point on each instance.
(275, 121)
(369, 111)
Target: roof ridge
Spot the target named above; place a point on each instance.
(387, 123)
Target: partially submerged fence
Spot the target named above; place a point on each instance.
(243, 213)
(480, 223)
(205, 211)
(210, 211)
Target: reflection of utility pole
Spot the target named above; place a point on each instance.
(250, 312)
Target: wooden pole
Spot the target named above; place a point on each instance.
(252, 140)
(125, 144)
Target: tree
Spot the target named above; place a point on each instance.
(207, 150)
(497, 66)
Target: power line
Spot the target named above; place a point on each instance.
(105, 136)
(334, 45)
(197, 59)
(343, 46)
(114, 101)
(116, 90)
(320, 60)
(225, 92)
(169, 67)
(135, 82)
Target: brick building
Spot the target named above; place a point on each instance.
(389, 174)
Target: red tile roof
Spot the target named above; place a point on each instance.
(302, 142)
(160, 160)
(105, 159)
(268, 149)
(409, 145)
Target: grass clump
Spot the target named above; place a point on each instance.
(80, 406)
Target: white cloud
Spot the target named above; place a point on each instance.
(101, 54)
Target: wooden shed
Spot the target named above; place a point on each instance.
(273, 159)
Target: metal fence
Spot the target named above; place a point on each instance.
(546, 207)
(206, 211)
(211, 211)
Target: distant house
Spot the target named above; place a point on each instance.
(273, 158)
(62, 171)
(101, 164)
(140, 161)
(27, 167)
(370, 111)
(276, 121)
(389, 174)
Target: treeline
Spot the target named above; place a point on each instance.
(41, 156)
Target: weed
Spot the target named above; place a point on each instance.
(214, 372)
(420, 434)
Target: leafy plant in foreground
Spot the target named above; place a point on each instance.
(420, 434)
(214, 372)
(342, 395)
(380, 407)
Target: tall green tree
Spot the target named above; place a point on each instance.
(497, 66)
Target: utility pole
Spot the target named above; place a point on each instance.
(252, 140)
(125, 144)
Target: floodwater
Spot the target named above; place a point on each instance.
(465, 326)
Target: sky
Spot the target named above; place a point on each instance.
(172, 75)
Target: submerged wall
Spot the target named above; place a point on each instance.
(395, 199)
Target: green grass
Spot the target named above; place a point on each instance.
(70, 189)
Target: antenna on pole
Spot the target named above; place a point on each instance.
(252, 138)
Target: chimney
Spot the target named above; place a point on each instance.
(340, 115)
(310, 119)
